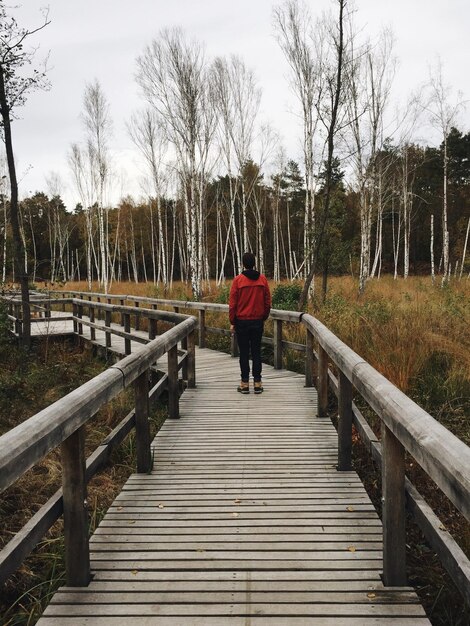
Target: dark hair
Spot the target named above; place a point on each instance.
(248, 260)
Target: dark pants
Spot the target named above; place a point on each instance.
(249, 333)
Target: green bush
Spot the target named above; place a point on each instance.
(286, 296)
(223, 295)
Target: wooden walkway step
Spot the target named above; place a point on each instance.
(243, 521)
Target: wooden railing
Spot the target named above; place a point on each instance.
(405, 428)
(63, 423)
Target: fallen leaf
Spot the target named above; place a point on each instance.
(119, 508)
(135, 572)
(352, 549)
(237, 501)
(371, 595)
(161, 506)
(349, 508)
(235, 514)
(132, 521)
(442, 527)
(200, 550)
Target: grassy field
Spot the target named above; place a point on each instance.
(415, 333)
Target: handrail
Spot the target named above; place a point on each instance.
(405, 425)
(63, 422)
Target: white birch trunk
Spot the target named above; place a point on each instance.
(464, 253)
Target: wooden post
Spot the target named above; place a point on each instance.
(77, 554)
(344, 423)
(100, 313)
(173, 390)
(19, 321)
(192, 360)
(152, 328)
(234, 345)
(393, 510)
(142, 426)
(121, 301)
(202, 328)
(80, 315)
(176, 309)
(277, 344)
(107, 323)
(91, 315)
(322, 382)
(75, 313)
(127, 329)
(184, 346)
(309, 359)
(137, 316)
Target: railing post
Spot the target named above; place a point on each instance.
(192, 360)
(75, 314)
(91, 315)
(107, 323)
(100, 314)
(173, 387)
(184, 369)
(80, 315)
(309, 359)
(202, 328)
(152, 328)
(176, 309)
(137, 316)
(322, 382)
(234, 345)
(393, 510)
(18, 321)
(142, 426)
(344, 423)
(77, 554)
(127, 329)
(277, 344)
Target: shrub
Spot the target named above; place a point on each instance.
(286, 296)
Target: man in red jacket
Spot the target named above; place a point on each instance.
(249, 306)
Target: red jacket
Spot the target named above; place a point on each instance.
(250, 298)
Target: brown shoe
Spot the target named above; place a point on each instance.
(258, 387)
(243, 387)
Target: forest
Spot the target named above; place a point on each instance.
(369, 196)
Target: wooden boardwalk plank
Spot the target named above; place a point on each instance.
(243, 520)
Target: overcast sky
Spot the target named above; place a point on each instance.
(101, 39)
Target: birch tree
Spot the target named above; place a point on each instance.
(368, 84)
(443, 110)
(175, 81)
(330, 115)
(148, 134)
(303, 53)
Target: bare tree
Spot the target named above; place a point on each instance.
(14, 87)
(368, 85)
(97, 124)
(330, 115)
(304, 56)
(175, 80)
(148, 134)
(443, 111)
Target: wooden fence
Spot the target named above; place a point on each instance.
(63, 423)
(405, 427)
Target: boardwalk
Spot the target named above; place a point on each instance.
(243, 521)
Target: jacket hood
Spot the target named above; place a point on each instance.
(251, 274)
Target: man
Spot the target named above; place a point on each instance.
(249, 306)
